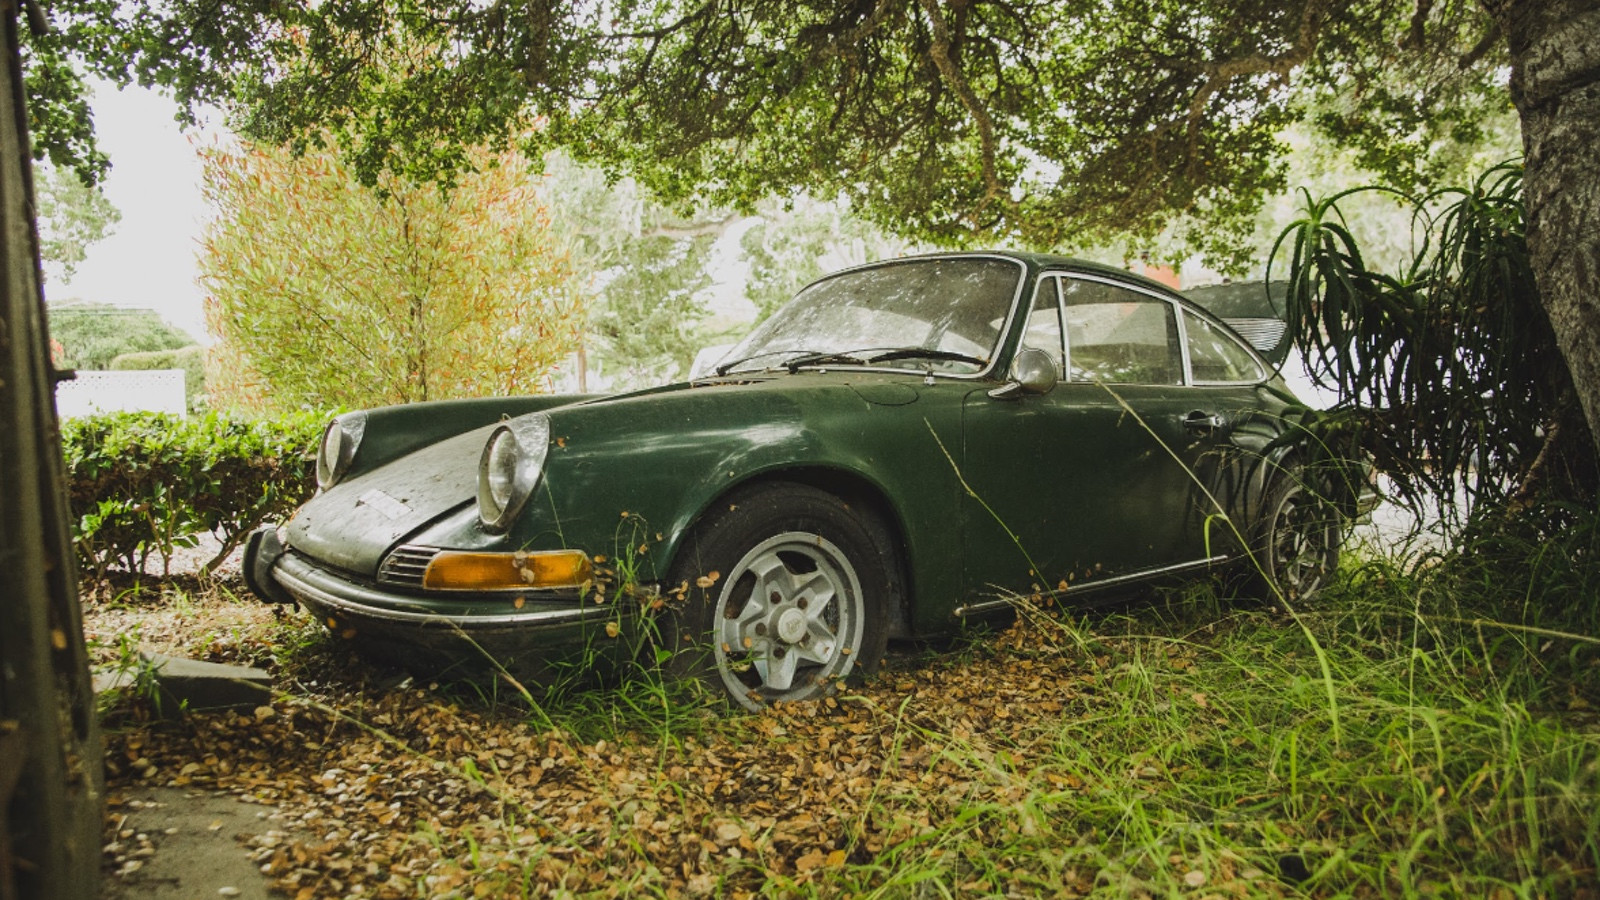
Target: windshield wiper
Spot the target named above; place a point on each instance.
(812, 359)
(870, 357)
(926, 353)
(865, 357)
(727, 367)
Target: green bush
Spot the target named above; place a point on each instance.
(150, 483)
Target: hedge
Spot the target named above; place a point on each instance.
(143, 484)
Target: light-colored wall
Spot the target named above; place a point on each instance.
(155, 390)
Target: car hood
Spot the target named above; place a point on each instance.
(354, 523)
(424, 496)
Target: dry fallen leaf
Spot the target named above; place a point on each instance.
(810, 861)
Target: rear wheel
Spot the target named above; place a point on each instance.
(1297, 539)
(786, 590)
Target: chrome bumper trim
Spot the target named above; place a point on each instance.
(314, 586)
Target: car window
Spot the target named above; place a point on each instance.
(1044, 324)
(1120, 336)
(1215, 356)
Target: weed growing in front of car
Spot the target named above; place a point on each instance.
(613, 685)
(1468, 762)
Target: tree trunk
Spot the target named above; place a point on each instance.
(1555, 84)
(51, 803)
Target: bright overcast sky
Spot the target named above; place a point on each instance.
(155, 181)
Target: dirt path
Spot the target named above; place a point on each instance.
(175, 844)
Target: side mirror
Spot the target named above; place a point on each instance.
(1033, 371)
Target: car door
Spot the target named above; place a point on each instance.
(1100, 478)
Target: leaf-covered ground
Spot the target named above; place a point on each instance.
(1187, 750)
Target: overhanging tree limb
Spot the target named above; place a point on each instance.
(942, 52)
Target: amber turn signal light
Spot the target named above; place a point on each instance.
(519, 571)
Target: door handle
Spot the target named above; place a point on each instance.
(1201, 422)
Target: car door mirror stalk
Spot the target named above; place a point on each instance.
(1033, 371)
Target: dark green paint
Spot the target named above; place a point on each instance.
(394, 431)
(1094, 481)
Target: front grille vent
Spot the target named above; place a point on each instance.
(405, 565)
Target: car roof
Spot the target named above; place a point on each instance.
(1037, 262)
(1254, 313)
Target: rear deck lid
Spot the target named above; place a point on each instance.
(1252, 308)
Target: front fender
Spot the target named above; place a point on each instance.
(628, 480)
(395, 431)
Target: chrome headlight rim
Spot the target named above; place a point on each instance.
(509, 469)
(341, 438)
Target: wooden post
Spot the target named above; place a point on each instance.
(51, 774)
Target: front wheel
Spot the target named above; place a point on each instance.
(785, 594)
(1297, 539)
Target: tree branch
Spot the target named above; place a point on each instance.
(950, 73)
(1415, 33)
(1482, 47)
(704, 228)
(1219, 74)
(847, 39)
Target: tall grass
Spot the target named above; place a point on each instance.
(1184, 748)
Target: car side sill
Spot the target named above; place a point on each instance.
(315, 587)
(988, 606)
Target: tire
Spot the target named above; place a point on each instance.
(785, 592)
(1296, 546)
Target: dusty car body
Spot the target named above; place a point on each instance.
(904, 446)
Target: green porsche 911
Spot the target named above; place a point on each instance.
(904, 445)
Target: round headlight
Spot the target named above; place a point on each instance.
(500, 470)
(338, 449)
(509, 469)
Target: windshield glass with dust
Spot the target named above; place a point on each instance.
(952, 307)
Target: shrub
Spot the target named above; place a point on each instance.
(150, 483)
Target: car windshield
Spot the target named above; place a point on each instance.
(941, 314)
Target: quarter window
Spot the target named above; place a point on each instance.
(1215, 357)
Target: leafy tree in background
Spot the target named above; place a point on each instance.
(93, 334)
(1055, 124)
(801, 240)
(72, 215)
(1049, 124)
(323, 293)
(644, 266)
(648, 324)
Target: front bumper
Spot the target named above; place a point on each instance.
(521, 634)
